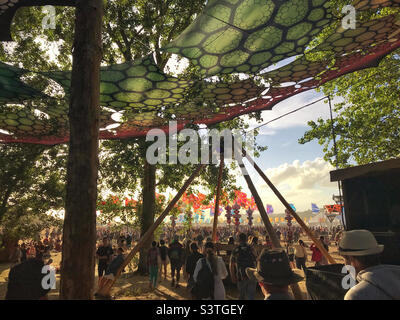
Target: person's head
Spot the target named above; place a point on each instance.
(154, 244)
(301, 242)
(120, 251)
(242, 237)
(231, 240)
(105, 241)
(360, 249)
(162, 242)
(176, 238)
(254, 240)
(273, 271)
(194, 247)
(322, 238)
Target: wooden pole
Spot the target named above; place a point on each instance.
(217, 198)
(289, 208)
(271, 232)
(105, 289)
(79, 232)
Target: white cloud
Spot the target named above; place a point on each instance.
(299, 183)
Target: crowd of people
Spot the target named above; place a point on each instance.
(40, 247)
(249, 262)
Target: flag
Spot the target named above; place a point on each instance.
(270, 209)
(314, 208)
(293, 207)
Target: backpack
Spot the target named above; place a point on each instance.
(204, 286)
(244, 259)
(153, 256)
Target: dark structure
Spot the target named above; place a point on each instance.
(371, 195)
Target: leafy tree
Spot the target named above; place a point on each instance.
(366, 124)
(32, 182)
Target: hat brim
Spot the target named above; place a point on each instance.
(293, 278)
(359, 253)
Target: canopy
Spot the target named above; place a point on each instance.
(228, 37)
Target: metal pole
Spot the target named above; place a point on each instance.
(336, 156)
(271, 232)
(289, 208)
(218, 196)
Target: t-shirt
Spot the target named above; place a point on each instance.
(104, 251)
(299, 251)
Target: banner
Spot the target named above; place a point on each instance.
(270, 209)
(314, 208)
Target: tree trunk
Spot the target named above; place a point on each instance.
(148, 208)
(79, 235)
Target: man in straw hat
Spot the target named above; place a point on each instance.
(376, 281)
(274, 275)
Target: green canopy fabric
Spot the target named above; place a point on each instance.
(248, 35)
(12, 89)
(138, 84)
(341, 43)
(137, 96)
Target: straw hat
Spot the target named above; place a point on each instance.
(359, 243)
(273, 268)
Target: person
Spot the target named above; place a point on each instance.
(175, 254)
(300, 255)
(218, 270)
(25, 280)
(290, 253)
(104, 253)
(191, 262)
(112, 268)
(375, 281)
(324, 261)
(24, 252)
(164, 259)
(230, 241)
(153, 262)
(243, 257)
(316, 255)
(274, 274)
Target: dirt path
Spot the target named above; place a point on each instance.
(131, 286)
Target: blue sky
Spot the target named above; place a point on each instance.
(298, 171)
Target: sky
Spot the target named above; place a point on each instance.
(298, 171)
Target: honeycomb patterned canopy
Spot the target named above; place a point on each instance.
(138, 84)
(144, 97)
(9, 7)
(12, 89)
(342, 42)
(374, 4)
(245, 36)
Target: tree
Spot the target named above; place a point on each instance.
(367, 122)
(32, 182)
(79, 232)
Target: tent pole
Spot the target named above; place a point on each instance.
(106, 288)
(289, 208)
(271, 232)
(218, 196)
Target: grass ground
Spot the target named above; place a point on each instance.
(131, 286)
